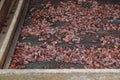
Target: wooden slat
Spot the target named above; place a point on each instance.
(8, 38)
(4, 9)
(64, 74)
(16, 36)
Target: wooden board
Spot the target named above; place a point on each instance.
(4, 9)
(40, 74)
(6, 42)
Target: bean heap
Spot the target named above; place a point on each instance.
(83, 32)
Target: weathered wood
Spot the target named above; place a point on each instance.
(75, 74)
(4, 9)
(16, 35)
(10, 33)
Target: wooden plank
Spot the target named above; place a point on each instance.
(61, 74)
(7, 22)
(4, 9)
(7, 41)
(17, 33)
(1, 3)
